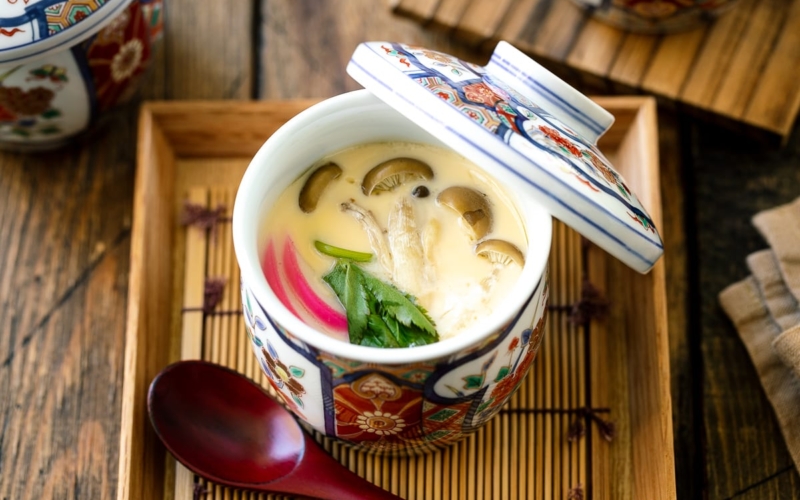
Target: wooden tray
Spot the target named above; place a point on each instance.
(743, 67)
(617, 366)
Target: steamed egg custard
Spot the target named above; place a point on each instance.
(393, 245)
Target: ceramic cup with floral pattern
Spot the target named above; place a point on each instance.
(536, 137)
(656, 16)
(65, 62)
(404, 400)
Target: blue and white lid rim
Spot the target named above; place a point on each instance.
(637, 248)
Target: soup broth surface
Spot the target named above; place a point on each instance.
(432, 257)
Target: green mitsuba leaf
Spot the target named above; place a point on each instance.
(378, 314)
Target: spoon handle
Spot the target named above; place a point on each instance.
(318, 475)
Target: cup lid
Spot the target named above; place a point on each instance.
(526, 127)
(32, 28)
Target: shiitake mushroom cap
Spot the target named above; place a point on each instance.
(472, 206)
(315, 185)
(388, 175)
(500, 252)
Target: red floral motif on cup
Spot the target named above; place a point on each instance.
(506, 387)
(118, 56)
(373, 408)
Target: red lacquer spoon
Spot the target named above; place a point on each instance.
(225, 428)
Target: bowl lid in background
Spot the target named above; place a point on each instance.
(523, 125)
(30, 29)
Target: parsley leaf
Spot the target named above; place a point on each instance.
(378, 314)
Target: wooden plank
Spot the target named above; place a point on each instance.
(522, 16)
(744, 72)
(481, 20)
(558, 30)
(449, 13)
(779, 79)
(149, 315)
(651, 409)
(633, 59)
(194, 273)
(208, 50)
(672, 61)
(602, 386)
(191, 345)
(676, 260)
(715, 68)
(62, 290)
(721, 48)
(742, 444)
(203, 129)
(419, 10)
(785, 482)
(335, 30)
(596, 48)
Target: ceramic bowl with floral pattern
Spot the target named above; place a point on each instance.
(65, 62)
(531, 132)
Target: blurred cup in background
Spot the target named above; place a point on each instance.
(656, 16)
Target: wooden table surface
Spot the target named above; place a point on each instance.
(65, 220)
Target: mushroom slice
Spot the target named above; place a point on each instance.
(500, 252)
(388, 175)
(316, 184)
(472, 206)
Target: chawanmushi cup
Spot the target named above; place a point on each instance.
(398, 400)
(527, 129)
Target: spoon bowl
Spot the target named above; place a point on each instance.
(225, 428)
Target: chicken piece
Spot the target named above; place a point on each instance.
(410, 269)
(377, 240)
(430, 237)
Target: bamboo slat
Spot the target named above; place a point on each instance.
(743, 67)
(522, 453)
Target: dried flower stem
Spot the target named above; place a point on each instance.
(577, 428)
(213, 288)
(576, 492)
(199, 491)
(202, 217)
(592, 305)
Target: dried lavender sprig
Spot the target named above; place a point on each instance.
(576, 492)
(199, 491)
(202, 217)
(577, 428)
(213, 288)
(592, 305)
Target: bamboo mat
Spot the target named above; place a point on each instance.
(521, 453)
(745, 66)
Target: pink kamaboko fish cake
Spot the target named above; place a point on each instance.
(393, 244)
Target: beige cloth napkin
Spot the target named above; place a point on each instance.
(780, 226)
(764, 308)
(744, 305)
(781, 304)
(788, 346)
